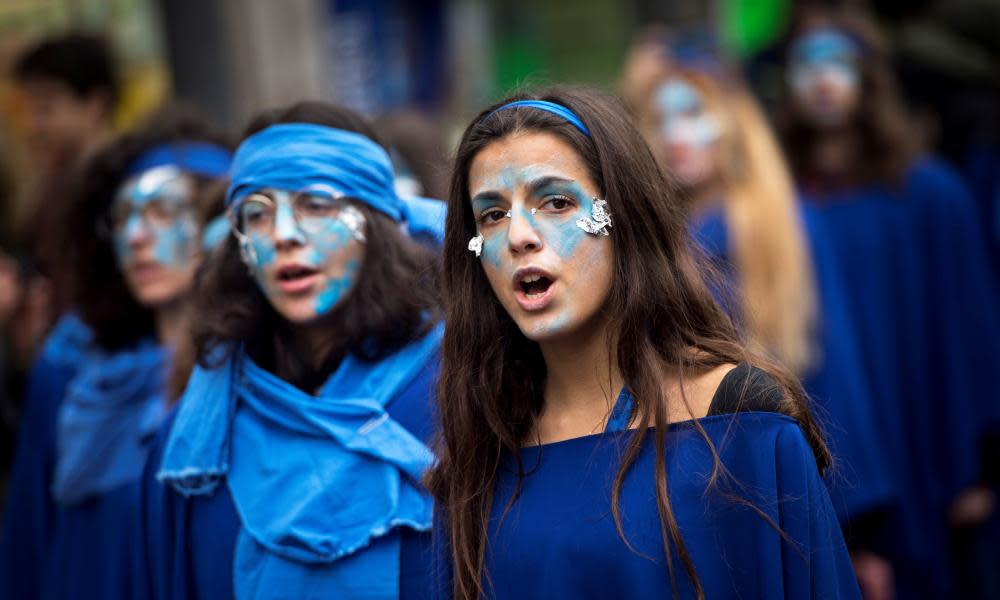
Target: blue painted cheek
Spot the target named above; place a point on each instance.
(172, 245)
(264, 248)
(337, 289)
(123, 250)
(493, 249)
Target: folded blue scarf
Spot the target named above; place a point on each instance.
(112, 405)
(315, 479)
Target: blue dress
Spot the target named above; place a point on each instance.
(918, 286)
(860, 486)
(188, 542)
(558, 538)
(49, 549)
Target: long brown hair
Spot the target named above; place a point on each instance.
(659, 307)
(765, 231)
(885, 138)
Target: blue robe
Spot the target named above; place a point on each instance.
(558, 539)
(188, 543)
(48, 550)
(925, 315)
(859, 484)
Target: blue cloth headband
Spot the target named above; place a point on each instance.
(200, 158)
(295, 156)
(549, 107)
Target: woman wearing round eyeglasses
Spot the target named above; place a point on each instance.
(97, 392)
(293, 465)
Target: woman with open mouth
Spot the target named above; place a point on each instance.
(99, 390)
(292, 466)
(605, 434)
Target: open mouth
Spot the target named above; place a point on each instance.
(534, 285)
(294, 273)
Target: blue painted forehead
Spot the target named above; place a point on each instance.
(825, 45)
(677, 95)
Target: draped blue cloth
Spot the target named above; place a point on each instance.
(67, 341)
(860, 482)
(559, 540)
(925, 313)
(316, 480)
(81, 550)
(296, 156)
(112, 406)
(424, 218)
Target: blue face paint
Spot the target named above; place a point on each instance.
(684, 117)
(824, 52)
(154, 208)
(324, 244)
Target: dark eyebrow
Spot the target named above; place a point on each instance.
(488, 196)
(546, 181)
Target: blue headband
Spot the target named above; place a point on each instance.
(549, 107)
(826, 43)
(295, 156)
(200, 158)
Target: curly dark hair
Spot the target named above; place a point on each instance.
(99, 291)
(394, 302)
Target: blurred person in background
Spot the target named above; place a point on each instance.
(69, 89)
(419, 152)
(918, 283)
(97, 392)
(711, 136)
(292, 465)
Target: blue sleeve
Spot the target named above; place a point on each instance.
(859, 483)
(818, 566)
(155, 573)
(29, 511)
(963, 320)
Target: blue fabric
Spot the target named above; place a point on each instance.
(188, 542)
(558, 539)
(67, 341)
(837, 381)
(549, 107)
(925, 313)
(241, 422)
(424, 218)
(199, 158)
(53, 551)
(215, 233)
(295, 156)
(112, 405)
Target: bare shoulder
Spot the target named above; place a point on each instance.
(693, 399)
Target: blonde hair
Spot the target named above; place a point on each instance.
(765, 232)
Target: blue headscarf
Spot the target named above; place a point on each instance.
(295, 156)
(315, 479)
(112, 406)
(199, 158)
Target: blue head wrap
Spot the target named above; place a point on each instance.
(549, 107)
(295, 156)
(200, 158)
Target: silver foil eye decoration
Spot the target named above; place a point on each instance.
(355, 221)
(599, 220)
(476, 245)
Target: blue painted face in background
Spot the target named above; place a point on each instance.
(688, 132)
(824, 76)
(155, 234)
(304, 250)
(550, 275)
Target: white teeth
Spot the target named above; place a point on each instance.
(531, 278)
(534, 296)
